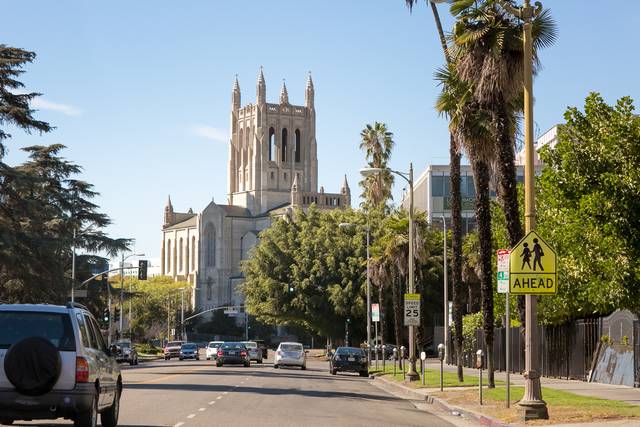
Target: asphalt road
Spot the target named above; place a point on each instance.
(191, 394)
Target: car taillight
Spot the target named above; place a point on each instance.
(220, 353)
(82, 370)
(243, 353)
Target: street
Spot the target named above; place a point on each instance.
(190, 393)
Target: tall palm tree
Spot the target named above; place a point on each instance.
(377, 142)
(456, 209)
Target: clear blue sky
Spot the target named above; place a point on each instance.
(140, 90)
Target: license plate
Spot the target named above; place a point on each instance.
(232, 353)
(352, 359)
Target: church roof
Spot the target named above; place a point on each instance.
(190, 222)
(232, 210)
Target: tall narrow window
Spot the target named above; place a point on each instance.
(209, 289)
(272, 143)
(298, 153)
(283, 157)
(193, 253)
(180, 266)
(168, 255)
(210, 236)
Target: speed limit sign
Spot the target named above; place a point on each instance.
(411, 309)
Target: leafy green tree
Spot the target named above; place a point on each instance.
(14, 105)
(589, 209)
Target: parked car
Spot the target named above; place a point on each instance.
(233, 353)
(349, 359)
(56, 365)
(124, 352)
(212, 349)
(189, 350)
(290, 354)
(263, 346)
(254, 352)
(172, 349)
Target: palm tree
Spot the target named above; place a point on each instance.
(456, 209)
(377, 142)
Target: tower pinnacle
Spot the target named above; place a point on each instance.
(235, 94)
(284, 96)
(345, 186)
(309, 93)
(261, 88)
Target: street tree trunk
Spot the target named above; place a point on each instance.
(383, 312)
(397, 313)
(456, 249)
(483, 218)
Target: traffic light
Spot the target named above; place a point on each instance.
(105, 315)
(348, 320)
(291, 288)
(142, 269)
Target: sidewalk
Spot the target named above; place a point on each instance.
(603, 391)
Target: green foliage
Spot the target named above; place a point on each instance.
(324, 263)
(589, 210)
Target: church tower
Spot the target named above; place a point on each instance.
(272, 145)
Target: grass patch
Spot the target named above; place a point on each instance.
(563, 406)
(432, 377)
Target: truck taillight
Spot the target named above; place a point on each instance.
(82, 370)
(243, 354)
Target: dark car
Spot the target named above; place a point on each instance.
(349, 359)
(233, 353)
(189, 350)
(263, 346)
(123, 351)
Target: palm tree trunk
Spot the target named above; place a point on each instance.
(456, 249)
(483, 217)
(397, 313)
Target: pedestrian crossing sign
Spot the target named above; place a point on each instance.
(532, 267)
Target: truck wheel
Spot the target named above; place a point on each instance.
(109, 417)
(88, 418)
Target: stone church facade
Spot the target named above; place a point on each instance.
(272, 168)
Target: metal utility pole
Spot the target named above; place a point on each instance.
(532, 405)
(368, 301)
(446, 293)
(182, 313)
(73, 266)
(121, 292)
(412, 374)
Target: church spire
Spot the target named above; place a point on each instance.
(235, 94)
(168, 212)
(309, 93)
(345, 186)
(284, 96)
(261, 89)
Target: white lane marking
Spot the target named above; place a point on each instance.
(202, 409)
(219, 397)
(191, 416)
(212, 402)
(179, 424)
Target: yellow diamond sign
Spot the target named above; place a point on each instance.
(532, 267)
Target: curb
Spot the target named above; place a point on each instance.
(443, 404)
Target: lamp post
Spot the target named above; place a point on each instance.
(446, 292)
(412, 374)
(122, 288)
(532, 405)
(73, 267)
(368, 229)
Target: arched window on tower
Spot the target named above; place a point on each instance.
(272, 144)
(168, 255)
(298, 146)
(180, 265)
(284, 145)
(193, 253)
(210, 238)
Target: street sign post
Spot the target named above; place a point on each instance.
(503, 287)
(375, 312)
(532, 267)
(411, 309)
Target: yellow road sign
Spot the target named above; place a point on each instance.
(532, 267)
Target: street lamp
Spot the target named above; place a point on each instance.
(346, 225)
(122, 289)
(365, 172)
(532, 404)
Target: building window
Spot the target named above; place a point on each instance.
(209, 289)
(272, 176)
(297, 147)
(210, 237)
(437, 186)
(168, 255)
(272, 143)
(193, 253)
(285, 176)
(180, 267)
(283, 157)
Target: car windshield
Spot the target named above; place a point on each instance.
(124, 344)
(174, 344)
(214, 344)
(18, 325)
(233, 346)
(350, 351)
(251, 345)
(189, 346)
(291, 347)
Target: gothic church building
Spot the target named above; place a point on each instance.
(272, 168)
